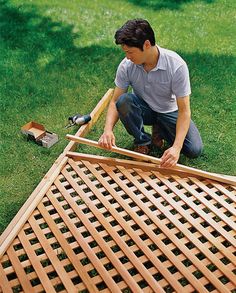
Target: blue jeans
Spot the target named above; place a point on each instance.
(134, 113)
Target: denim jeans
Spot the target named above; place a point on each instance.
(134, 113)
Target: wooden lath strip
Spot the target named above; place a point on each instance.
(203, 215)
(145, 228)
(4, 283)
(51, 255)
(172, 218)
(178, 167)
(101, 242)
(194, 207)
(125, 162)
(36, 263)
(67, 249)
(227, 206)
(86, 248)
(115, 236)
(222, 189)
(181, 227)
(176, 241)
(25, 283)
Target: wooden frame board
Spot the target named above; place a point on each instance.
(178, 168)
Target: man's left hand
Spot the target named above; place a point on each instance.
(170, 157)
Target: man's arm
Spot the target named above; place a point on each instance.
(107, 139)
(171, 155)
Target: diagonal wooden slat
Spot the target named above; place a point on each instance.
(117, 239)
(135, 217)
(178, 225)
(4, 283)
(52, 255)
(67, 249)
(36, 263)
(85, 246)
(177, 243)
(217, 227)
(24, 281)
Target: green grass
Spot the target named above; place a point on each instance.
(58, 58)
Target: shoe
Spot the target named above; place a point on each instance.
(142, 149)
(157, 140)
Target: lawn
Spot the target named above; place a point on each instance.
(58, 58)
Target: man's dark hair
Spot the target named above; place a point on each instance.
(134, 33)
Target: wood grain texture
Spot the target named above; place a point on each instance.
(138, 156)
(106, 226)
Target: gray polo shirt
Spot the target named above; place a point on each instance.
(159, 87)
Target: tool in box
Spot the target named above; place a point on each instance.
(37, 133)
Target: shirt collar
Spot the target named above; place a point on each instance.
(161, 63)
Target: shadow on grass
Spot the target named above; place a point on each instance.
(23, 28)
(164, 4)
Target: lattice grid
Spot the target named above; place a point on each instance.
(106, 228)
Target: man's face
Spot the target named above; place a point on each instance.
(134, 54)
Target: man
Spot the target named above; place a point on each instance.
(160, 82)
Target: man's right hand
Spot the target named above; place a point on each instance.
(107, 140)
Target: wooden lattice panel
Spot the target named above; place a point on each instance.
(108, 228)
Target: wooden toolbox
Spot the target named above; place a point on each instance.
(37, 133)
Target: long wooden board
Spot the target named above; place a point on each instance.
(154, 160)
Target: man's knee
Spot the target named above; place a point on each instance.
(193, 151)
(123, 104)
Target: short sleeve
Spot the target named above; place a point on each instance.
(181, 82)
(122, 80)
